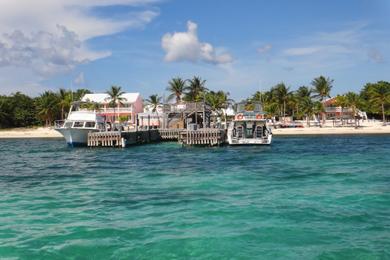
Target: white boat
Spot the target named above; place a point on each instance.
(78, 124)
(249, 128)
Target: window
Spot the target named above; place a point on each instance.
(68, 124)
(78, 124)
(90, 124)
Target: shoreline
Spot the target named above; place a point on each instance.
(42, 132)
(365, 130)
(29, 133)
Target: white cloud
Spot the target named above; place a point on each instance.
(332, 50)
(48, 37)
(77, 16)
(45, 53)
(185, 46)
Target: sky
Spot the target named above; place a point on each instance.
(239, 46)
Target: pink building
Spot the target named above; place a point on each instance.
(128, 108)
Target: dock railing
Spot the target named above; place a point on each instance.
(204, 136)
(170, 134)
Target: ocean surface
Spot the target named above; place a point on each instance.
(300, 198)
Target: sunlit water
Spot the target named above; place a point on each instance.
(300, 198)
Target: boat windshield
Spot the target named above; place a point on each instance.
(249, 129)
(90, 124)
(78, 124)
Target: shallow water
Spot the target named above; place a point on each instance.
(300, 198)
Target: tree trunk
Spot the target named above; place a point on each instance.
(323, 115)
(383, 114)
(284, 112)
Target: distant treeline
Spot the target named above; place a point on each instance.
(280, 100)
(20, 110)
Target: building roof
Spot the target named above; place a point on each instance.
(105, 98)
(329, 101)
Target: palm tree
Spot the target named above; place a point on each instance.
(322, 87)
(176, 87)
(293, 104)
(265, 98)
(92, 106)
(306, 106)
(65, 99)
(79, 94)
(318, 108)
(303, 92)
(195, 89)
(47, 107)
(281, 93)
(218, 101)
(115, 93)
(353, 101)
(301, 95)
(154, 101)
(379, 94)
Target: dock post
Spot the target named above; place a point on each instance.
(136, 122)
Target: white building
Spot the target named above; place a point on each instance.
(128, 108)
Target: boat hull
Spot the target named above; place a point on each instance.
(76, 137)
(250, 141)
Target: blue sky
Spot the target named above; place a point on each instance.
(237, 46)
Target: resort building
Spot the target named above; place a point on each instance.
(190, 115)
(152, 119)
(126, 110)
(332, 111)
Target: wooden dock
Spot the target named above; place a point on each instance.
(108, 139)
(122, 138)
(204, 136)
(170, 134)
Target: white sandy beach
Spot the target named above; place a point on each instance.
(332, 130)
(40, 132)
(372, 127)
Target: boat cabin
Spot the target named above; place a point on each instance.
(250, 125)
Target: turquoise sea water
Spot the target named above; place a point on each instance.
(301, 198)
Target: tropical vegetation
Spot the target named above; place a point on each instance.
(154, 101)
(280, 101)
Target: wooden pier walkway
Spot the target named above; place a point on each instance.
(170, 134)
(204, 136)
(111, 139)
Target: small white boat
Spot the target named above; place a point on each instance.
(78, 124)
(249, 128)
